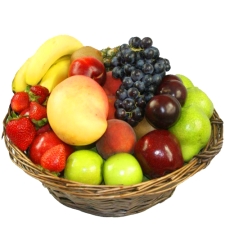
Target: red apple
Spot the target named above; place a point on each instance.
(158, 153)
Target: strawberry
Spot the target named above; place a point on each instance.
(43, 142)
(37, 111)
(54, 159)
(21, 132)
(40, 92)
(20, 101)
(25, 112)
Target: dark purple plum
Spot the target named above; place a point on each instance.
(171, 77)
(162, 111)
(174, 88)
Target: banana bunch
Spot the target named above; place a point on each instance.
(56, 73)
(49, 65)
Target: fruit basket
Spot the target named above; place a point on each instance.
(124, 86)
(117, 201)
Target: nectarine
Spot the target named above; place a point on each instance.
(77, 110)
(119, 137)
(112, 109)
(111, 84)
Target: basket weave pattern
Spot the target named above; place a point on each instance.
(116, 201)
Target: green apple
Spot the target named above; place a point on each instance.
(122, 169)
(186, 81)
(193, 131)
(199, 98)
(84, 166)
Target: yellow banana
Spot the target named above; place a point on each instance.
(19, 82)
(57, 73)
(47, 54)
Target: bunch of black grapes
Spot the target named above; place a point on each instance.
(139, 65)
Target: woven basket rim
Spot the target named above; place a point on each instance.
(167, 182)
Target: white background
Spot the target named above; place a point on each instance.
(191, 35)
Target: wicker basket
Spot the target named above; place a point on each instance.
(116, 201)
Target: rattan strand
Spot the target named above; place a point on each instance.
(116, 201)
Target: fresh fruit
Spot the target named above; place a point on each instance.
(186, 81)
(54, 159)
(174, 88)
(136, 42)
(77, 110)
(193, 131)
(44, 141)
(117, 103)
(21, 131)
(44, 128)
(158, 153)
(140, 68)
(112, 109)
(129, 104)
(84, 166)
(119, 137)
(19, 82)
(56, 73)
(25, 112)
(199, 98)
(122, 169)
(107, 54)
(111, 84)
(39, 93)
(171, 77)
(47, 54)
(162, 111)
(88, 66)
(20, 101)
(142, 128)
(86, 51)
(37, 111)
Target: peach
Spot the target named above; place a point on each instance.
(112, 109)
(119, 137)
(111, 84)
(77, 110)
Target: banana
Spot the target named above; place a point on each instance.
(47, 54)
(57, 73)
(19, 83)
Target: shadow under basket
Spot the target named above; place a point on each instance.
(117, 201)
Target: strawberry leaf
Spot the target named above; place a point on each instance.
(40, 123)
